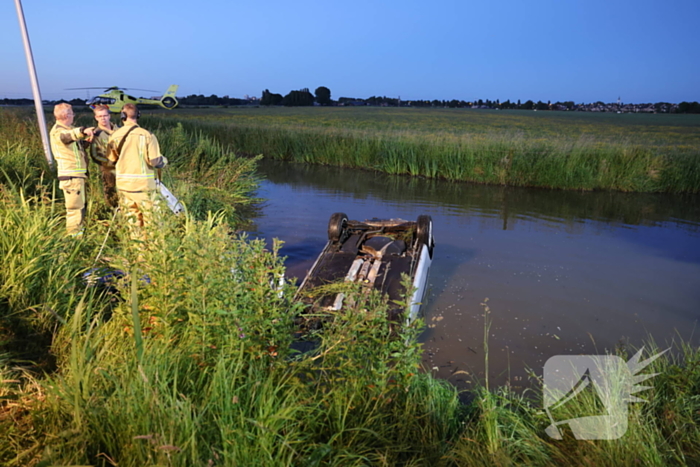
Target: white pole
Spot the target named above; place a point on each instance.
(35, 84)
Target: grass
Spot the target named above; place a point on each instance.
(186, 360)
(208, 176)
(567, 150)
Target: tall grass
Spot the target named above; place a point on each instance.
(218, 379)
(558, 150)
(208, 176)
(21, 162)
(39, 266)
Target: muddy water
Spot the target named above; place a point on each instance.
(563, 272)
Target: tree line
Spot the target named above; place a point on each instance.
(683, 107)
(322, 96)
(302, 97)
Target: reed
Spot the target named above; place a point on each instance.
(31, 278)
(633, 153)
(218, 378)
(207, 176)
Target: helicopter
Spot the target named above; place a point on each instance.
(114, 97)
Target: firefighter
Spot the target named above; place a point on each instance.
(68, 146)
(99, 153)
(136, 154)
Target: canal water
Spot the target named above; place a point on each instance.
(562, 273)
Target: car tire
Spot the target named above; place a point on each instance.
(336, 226)
(424, 232)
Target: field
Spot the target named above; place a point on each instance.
(568, 150)
(187, 359)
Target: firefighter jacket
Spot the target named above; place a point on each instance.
(139, 157)
(68, 147)
(98, 147)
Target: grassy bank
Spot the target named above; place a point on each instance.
(569, 150)
(187, 359)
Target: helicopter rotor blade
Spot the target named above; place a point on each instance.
(95, 87)
(111, 88)
(136, 89)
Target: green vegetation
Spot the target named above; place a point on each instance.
(569, 150)
(187, 359)
(323, 95)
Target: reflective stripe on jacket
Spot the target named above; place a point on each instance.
(67, 148)
(140, 156)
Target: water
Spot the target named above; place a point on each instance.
(564, 272)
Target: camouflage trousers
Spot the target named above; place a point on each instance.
(74, 193)
(109, 185)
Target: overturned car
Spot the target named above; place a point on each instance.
(375, 253)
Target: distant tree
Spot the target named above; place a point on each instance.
(299, 98)
(383, 101)
(269, 98)
(21, 101)
(277, 99)
(541, 106)
(528, 105)
(352, 101)
(211, 100)
(689, 107)
(323, 95)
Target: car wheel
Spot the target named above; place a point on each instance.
(336, 226)
(424, 232)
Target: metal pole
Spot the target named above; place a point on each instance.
(35, 85)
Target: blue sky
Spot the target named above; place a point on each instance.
(580, 50)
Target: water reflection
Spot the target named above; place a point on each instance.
(507, 203)
(565, 272)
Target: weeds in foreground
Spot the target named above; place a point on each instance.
(208, 176)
